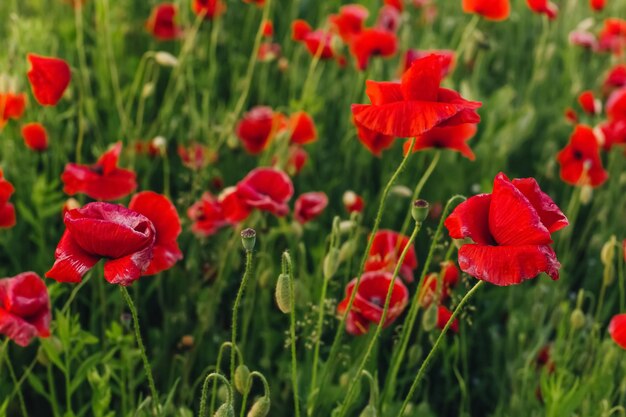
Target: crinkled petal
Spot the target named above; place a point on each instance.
(72, 262)
(551, 215)
(421, 81)
(471, 219)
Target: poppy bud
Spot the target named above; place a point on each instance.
(160, 143)
(608, 253)
(165, 59)
(577, 319)
(369, 411)
(225, 410)
(222, 393)
(260, 408)
(346, 226)
(248, 239)
(283, 293)
(147, 90)
(331, 263)
(609, 274)
(429, 320)
(346, 251)
(408, 411)
(401, 191)
(419, 210)
(344, 379)
(242, 374)
(586, 192)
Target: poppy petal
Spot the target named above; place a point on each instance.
(551, 215)
(471, 219)
(127, 269)
(383, 92)
(72, 262)
(49, 77)
(421, 81)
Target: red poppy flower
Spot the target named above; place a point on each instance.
(257, 128)
(489, 9)
(49, 77)
(268, 29)
(353, 202)
(443, 316)
(375, 142)
(317, 42)
(349, 21)
(369, 301)
(233, 205)
(388, 19)
(302, 128)
(616, 77)
(196, 156)
(208, 8)
(612, 37)
(614, 133)
(617, 329)
(24, 308)
(510, 229)
(385, 252)
(543, 7)
(589, 103)
(35, 137)
(449, 278)
(583, 39)
(162, 22)
(122, 236)
(267, 189)
(597, 5)
(449, 137)
(300, 29)
(616, 105)
(570, 115)
(164, 217)
(7, 211)
(415, 105)
(101, 181)
(446, 58)
(268, 51)
(396, 4)
(309, 205)
(207, 216)
(11, 107)
(580, 159)
(297, 159)
(372, 42)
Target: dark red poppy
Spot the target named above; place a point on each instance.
(49, 77)
(489, 9)
(353, 202)
(207, 216)
(375, 142)
(443, 316)
(302, 128)
(123, 237)
(589, 103)
(583, 39)
(11, 107)
(349, 21)
(162, 22)
(7, 211)
(297, 159)
(446, 57)
(614, 132)
(196, 156)
(388, 19)
(164, 217)
(612, 37)
(317, 42)
(309, 205)
(449, 137)
(24, 308)
(268, 29)
(544, 7)
(102, 181)
(616, 105)
(396, 4)
(35, 136)
(385, 252)
(432, 291)
(372, 42)
(571, 116)
(369, 301)
(616, 77)
(266, 189)
(580, 159)
(597, 5)
(617, 329)
(210, 9)
(415, 105)
(257, 128)
(510, 229)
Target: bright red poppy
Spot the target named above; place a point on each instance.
(432, 291)
(370, 43)
(102, 181)
(302, 128)
(589, 103)
(449, 137)
(196, 156)
(266, 189)
(12, 106)
(416, 104)
(443, 316)
(164, 217)
(162, 22)
(353, 202)
(298, 157)
(7, 211)
(489, 9)
(510, 229)
(49, 77)
(597, 5)
(123, 237)
(257, 128)
(388, 19)
(207, 216)
(616, 105)
(309, 205)
(385, 252)
(35, 137)
(267, 29)
(210, 9)
(544, 7)
(317, 42)
(373, 141)
(24, 308)
(580, 159)
(571, 115)
(349, 22)
(617, 330)
(446, 57)
(369, 301)
(616, 77)
(612, 37)
(614, 132)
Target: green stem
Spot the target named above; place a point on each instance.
(242, 287)
(205, 391)
(74, 292)
(217, 370)
(292, 333)
(433, 351)
(17, 384)
(142, 349)
(318, 335)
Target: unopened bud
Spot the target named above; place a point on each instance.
(225, 410)
(419, 210)
(222, 393)
(369, 411)
(344, 379)
(261, 408)
(577, 319)
(147, 90)
(608, 251)
(586, 193)
(248, 239)
(165, 59)
(242, 374)
(331, 263)
(283, 293)
(346, 251)
(429, 320)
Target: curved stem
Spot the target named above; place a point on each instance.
(205, 391)
(266, 388)
(433, 351)
(242, 287)
(217, 370)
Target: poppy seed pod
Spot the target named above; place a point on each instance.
(283, 293)
(248, 239)
(242, 374)
(419, 210)
(225, 410)
(260, 408)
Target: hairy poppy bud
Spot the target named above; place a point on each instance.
(165, 59)
(283, 293)
(586, 193)
(429, 320)
(147, 90)
(225, 410)
(331, 263)
(260, 408)
(242, 374)
(248, 239)
(419, 210)
(222, 393)
(577, 319)
(369, 411)
(608, 251)
(346, 251)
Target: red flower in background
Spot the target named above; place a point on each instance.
(544, 7)
(35, 137)
(372, 42)
(489, 9)
(612, 37)
(11, 107)
(583, 39)
(396, 4)
(209, 8)
(309, 205)
(210, 214)
(24, 308)
(415, 105)
(268, 51)
(570, 115)
(302, 128)
(597, 5)
(388, 19)
(349, 22)
(616, 77)
(317, 42)
(510, 229)
(196, 156)
(164, 217)
(101, 181)
(430, 292)
(122, 236)
(443, 316)
(369, 301)
(49, 77)
(162, 22)
(353, 202)
(616, 105)
(450, 137)
(446, 58)
(268, 29)
(7, 211)
(375, 142)
(266, 189)
(589, 103)
(300, 29)
(297, 159)
(257, 128)
(580, 159)
(617, 330)
(385, 252)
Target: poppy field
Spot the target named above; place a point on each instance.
(313, 208)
